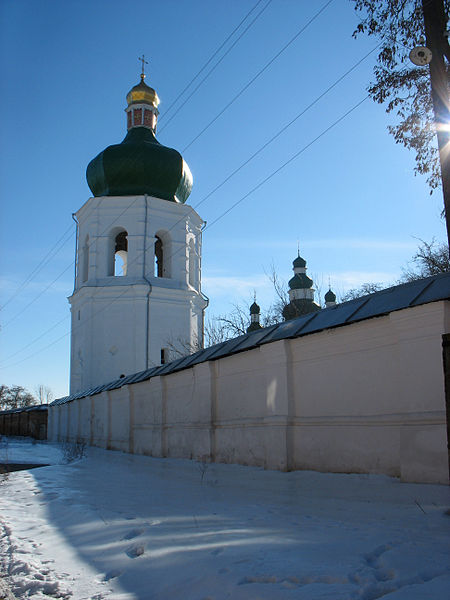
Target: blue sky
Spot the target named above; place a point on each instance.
(350, 197)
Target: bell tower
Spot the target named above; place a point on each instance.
(137, 299)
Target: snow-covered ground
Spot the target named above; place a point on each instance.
(121, 527)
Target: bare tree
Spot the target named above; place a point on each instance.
(180, 346)
(44, 394)
(235, 323)
(362, 290)
(431, 258)
(3, 396)
(15, 396)
(215, 332)
(275, 312)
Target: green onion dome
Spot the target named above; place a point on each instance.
(140, 164)
(300, 281)
(299, 262)
(330, 296)
(254, 309)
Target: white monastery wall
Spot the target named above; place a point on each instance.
(366, 397)
(84, 420)
(72, 420)
(99, 420)
(148, 417)
(187, 415)
(118, 420)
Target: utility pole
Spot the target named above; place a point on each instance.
(436, 40)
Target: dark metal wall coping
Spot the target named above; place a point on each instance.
(415, 293)
(33, 407)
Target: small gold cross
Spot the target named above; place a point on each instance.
(144, 62)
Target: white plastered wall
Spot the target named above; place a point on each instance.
(366, 398)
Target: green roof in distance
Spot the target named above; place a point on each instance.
(254, 309)
(300, 281)
(330, 296)
(299, 262)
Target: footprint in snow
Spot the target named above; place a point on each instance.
(135, 550)
(133, 533)
(384, 574)
(259, 579)
(289, 585)
(372, 559)
(112, 574)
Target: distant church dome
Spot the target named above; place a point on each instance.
(255, 309)
(140, 164)
(330, 296)
(301, 292)
(300, 279)
(299, 262)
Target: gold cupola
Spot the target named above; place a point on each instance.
(142, 101)
(142, 94)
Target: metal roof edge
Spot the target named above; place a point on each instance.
(10, 411)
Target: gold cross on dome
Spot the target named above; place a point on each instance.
(144, 62)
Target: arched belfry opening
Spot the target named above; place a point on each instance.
(159, 257)
(120, 254)
(162, 266)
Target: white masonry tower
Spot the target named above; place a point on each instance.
(137, 300)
